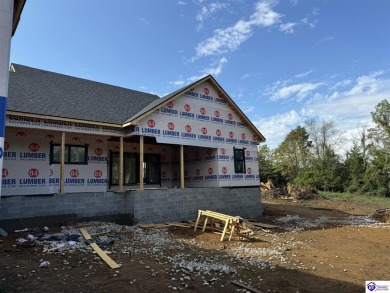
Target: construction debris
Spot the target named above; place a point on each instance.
(382, 215)
(293, 192)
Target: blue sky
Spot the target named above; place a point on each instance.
(282, 62)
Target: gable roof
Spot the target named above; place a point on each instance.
(36, 91)
(157, 104)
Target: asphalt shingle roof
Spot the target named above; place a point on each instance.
(42, 92)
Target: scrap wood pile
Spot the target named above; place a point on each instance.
(382, 215)
(269, 191)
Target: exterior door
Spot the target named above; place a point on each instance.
(152, 167)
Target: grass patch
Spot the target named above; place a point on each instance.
(358, 198)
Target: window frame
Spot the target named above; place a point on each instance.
(68, 149)
(237, 160)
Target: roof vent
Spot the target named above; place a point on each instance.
(12, 68)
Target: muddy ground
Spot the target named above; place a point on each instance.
(319, 246)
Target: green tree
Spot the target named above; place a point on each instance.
(355, 167)
(325, 170)
(267, 166)
(291, 155)
(377, 176)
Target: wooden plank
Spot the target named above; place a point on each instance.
(112, 264)
(245, 287)
(182, 225)
(101, 233)
(85, 234)
(153, 226)
(263, 225)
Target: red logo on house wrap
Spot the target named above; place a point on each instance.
(163, 174)
(247, 153)
(171, 126)
(206, 91)
(51, 172)
(74, 173)
(209, 151)
(187, 107)
(202, 111)
(188, 128)
(98, 173)
(6, 145)
(33, 173)
(223, 151)
(151, 123)
(254, 138)
(99, 140)
(185, 172)
(21, 133)
(249, 170)
(230, 116)
(197, 172)
(243, 135)
(170, 104)
(224, 170)
(216, 113)
(34, 147)
(4, 172)
(98, 151)
(50, 136)
(76, 138)
(218, 132)
(204, 130)
(210, 171)
(231, 134)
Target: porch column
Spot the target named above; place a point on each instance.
(181, 166)
(62, 164)
(121, 164)
(141, 162)
(6, 13)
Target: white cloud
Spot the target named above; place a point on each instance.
(311, 20)
(182, 3)
(207, 11)
(245, 76)
(298, 91)
(288, 28)
(229, 39)
(323, 40)
(304, 74)
(275, 128)
(215, 70)
(177, 82)
(357, 101)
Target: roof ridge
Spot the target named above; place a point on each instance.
(80, 78)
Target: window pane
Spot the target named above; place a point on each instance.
(239, 154)
(239, 166)
(77, 154)
(57, 154)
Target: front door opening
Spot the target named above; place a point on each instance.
(152, 169)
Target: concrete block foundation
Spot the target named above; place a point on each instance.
(131, 207)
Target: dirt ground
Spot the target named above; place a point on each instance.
(318, 246)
